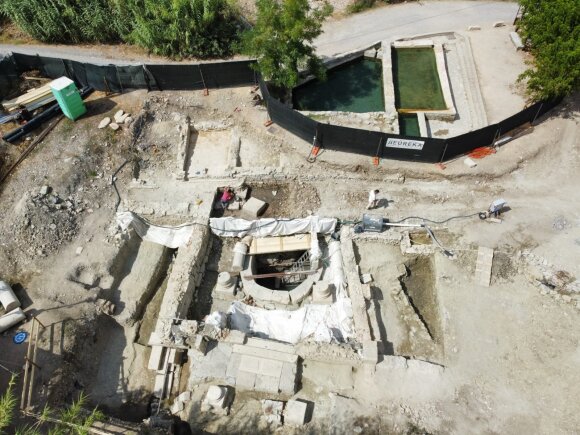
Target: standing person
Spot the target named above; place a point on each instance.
(373, 201)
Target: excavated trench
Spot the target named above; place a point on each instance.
(120, 383)
(404, 311)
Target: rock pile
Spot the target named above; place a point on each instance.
(551, 280)
(47, 220)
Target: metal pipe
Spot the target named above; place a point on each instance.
(27, 366)
(387, 224)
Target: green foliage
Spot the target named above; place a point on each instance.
(178, 28)
(7, 405)
(551, 29)
(66, 21)
(175, 28)
(282, 39)
(361, 5)
(73, 420)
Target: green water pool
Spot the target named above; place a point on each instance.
(409, 124)
(416, 79)
(354, 87)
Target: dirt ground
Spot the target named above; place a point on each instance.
(510, 351)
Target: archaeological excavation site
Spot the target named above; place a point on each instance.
(185, 249)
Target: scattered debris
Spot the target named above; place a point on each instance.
(106, 121)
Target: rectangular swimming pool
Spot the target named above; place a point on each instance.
(353, 87)
(416, 79)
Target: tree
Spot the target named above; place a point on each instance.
(282, 39)
(551, 29)
(73, 420)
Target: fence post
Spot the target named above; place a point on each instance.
(154, 78)
(537, 113)
(444, 152)
(119, 78)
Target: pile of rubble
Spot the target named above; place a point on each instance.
(47, 220)
(119, 118)
(551, 280)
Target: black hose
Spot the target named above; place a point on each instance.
(115, 184)
(435, 222)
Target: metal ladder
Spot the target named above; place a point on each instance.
(300, 265)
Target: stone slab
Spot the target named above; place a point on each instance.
(233, 368)
(516, 40)
(267, 384)
(253, 207)
(245, 380)
(483, 266)
(270, 345)
(264, 353)
(288, 378)
(271, 368)
(355, 288)
(295, 412)
(370, 353)
(235, 337)
(156, 358)
(250, 364)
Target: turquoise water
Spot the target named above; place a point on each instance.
(409, 125)
(416, 79)
(354, 87)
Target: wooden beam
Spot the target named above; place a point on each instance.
(279, 274)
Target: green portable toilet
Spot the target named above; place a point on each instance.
(68, 97)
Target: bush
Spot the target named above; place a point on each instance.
(361, 5)
(552, 32)
(181, 28)
(65, 21)
(175, 28)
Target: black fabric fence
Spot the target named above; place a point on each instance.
(8, 76)
(115, 78)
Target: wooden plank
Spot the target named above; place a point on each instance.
(268, 245)
(31, 96)
(279, 274)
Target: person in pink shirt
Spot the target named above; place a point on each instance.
(227, 196)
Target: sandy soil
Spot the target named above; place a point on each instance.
(510, 351)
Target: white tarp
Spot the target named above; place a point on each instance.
(321, 323)
(233, 227)
(172, 237)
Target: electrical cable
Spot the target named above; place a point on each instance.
(432, 221)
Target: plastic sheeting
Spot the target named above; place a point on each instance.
(232, 227)
(320, 323)
(172, 237)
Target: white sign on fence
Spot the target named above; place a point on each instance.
(406, 144)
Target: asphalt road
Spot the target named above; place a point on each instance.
(409, 19)
(340, 35)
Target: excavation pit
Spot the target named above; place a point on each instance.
(404, 311)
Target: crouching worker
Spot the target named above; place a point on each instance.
(496, 207)
(226, 197)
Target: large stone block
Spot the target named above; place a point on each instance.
(245, 380)
(267, 384)
(254, 207)
(288, 378)
(295, 412)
